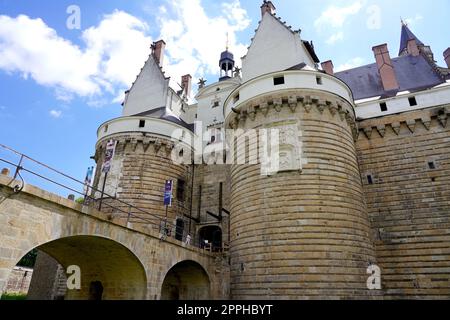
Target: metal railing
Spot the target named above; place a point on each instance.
(114, 208)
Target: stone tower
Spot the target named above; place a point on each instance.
(145, 137)
(302, 231)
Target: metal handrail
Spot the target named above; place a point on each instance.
(160, 224)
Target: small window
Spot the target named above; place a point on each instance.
(412, 101)
(106, 128)
(141, 123)
(218, 89)
(383, 107)
(180, 189)
(369, 179)
(431, 165)
(181, 153)
(196, 116)
(278, 81)
(319, 80)
(236, 98)
(215, 104)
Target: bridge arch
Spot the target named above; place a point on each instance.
(186, 280)
(103, 262)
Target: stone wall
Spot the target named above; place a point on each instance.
(208, 179)
(48, 281)
(19, 281)
(407, 159)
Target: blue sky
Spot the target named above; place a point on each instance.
(59, 84)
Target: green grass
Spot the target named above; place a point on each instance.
(14, 297)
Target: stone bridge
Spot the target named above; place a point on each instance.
(131, 262)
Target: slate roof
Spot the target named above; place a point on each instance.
(164, 114)
(413, 74)
(407, 35)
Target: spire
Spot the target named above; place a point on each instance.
(407, 35)
(226, 63)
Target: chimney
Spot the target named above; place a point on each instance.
(158, 51)
(413, 49)
(328, 67)
(186, 84)
(385, 67)
(267, 6)
(447, 57)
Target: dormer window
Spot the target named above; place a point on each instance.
(412, 101)
(278, 81)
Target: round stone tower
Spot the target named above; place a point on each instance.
(301, 231)
(141, 165)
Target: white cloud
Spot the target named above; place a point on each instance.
(335, 17)
(414, 20)
(352, 63)
(195, 39)
(113, 54)
(335, 38)
(55, 114)
(113, 51)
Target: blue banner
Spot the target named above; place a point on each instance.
(168, 193)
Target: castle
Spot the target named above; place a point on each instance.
(362, 179)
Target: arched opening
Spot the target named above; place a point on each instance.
(108, 270)
(211, 237)
(18, 283)
(187, 280)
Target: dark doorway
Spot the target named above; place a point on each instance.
(96, 291)
(179, 230)
(212, 235)
(187, 280)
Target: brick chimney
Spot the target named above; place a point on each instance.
(413, 49)
(158, 51)
(385, 67)
(328, 67)
(447, 57)
(186, 84)
(267, 6)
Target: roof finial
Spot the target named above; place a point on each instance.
(404, 23)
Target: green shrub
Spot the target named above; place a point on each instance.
(8, 296)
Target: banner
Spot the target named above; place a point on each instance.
(168, 193)
(109, 155)
(88, 179)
